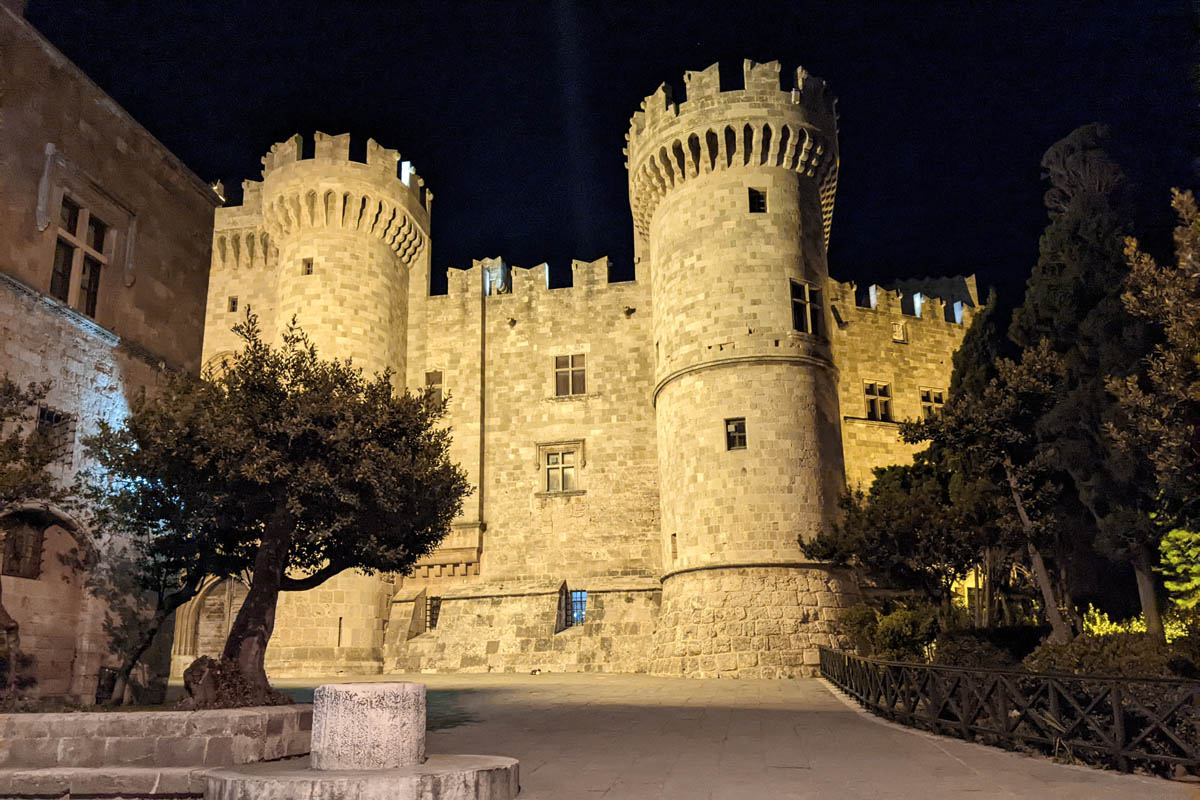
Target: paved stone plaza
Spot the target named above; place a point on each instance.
(633, 737)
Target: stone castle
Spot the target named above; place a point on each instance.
(646, 454)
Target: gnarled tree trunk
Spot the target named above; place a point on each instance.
(247, 642)
(1143, 566)
(1060, 632)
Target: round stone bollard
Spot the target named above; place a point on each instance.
(358, 726)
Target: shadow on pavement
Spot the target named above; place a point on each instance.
(443, 707)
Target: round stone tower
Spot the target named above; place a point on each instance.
(348, 235)
(732, 195)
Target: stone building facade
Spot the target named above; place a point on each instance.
(104, 255)
(646, 455)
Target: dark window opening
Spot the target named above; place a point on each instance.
(23, 545)
(68, 215)
(570, 375)
(806, 308)
(864, 296)
(433, 385)
(89, 285)
(57, 430)
(433, 609)
(735, 433)
(60, 278)
(932, 401)
(879, 401)
(758, 201)
(306, 267)
(233, 303)
(96, 233)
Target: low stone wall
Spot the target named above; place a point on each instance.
(514, 630)
(141, 754)
(762, 621)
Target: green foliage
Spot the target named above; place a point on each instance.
(858, 623)
(906, 634)
(906, 531)
(1135, 655)
(25, 455)
(1180, 551)
(1097, 623)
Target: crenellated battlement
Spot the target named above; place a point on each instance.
(950, 300)
(492, 277)
(762, 124)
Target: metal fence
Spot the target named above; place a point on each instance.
(1121, 723)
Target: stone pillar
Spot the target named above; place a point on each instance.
(368, 726)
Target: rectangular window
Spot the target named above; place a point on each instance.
(433, 610)
(806, 308)
(233, 303)
(735, 433)
(83, 240)
(932, 401)
(306, 266)
(23, 550)
(89, 286)
(879, 400)
(578, 612)
(758, 201)
(560, 471)
(569, 375)
(433, 384)
(58, 431)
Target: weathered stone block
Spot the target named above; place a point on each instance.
(368, 726)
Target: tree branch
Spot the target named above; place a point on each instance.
(326, 572)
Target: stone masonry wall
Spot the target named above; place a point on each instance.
(749, 622)
(864, 350)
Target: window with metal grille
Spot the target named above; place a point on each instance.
(806, 308)
(560, 471)
(735, 433)
(57, 429)
(758, 201)
(23, 550)
(433, 609)
(80, 250)
(433, 384)
(569, 375)
(932, 401)
(879, 400)
(577, 613)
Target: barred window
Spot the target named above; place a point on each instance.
(57, 429)
(23, 550)
(806, 308)
(570, 375)
(879, 400)
(433, 609)
(932, 401)
(577, 613)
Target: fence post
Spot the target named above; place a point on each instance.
(1118, 709)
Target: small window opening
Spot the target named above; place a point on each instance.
(758, 201)
(23, 550)
(306, 267)
(735, 433)
(674, 548)
(560, 471)
(570, 376)
(433, 609)
(339, 643)
(806, 308)
(433, 385)
(233, 303)
(577, 609)
(932, 401)
(57, 430)
(879, 400)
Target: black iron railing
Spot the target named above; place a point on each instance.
(1120, 723)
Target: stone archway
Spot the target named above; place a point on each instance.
(203, 623)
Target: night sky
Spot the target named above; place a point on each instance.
(515, 114)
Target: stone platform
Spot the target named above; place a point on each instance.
(439, 778)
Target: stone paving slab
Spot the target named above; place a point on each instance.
(634, 737)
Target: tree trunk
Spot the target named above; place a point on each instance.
(1059, 631)
(247, 643)
(1143, 571)
(126, 669)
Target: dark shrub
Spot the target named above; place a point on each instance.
(1131, 655)
(970, 648)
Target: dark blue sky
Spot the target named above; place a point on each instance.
(516, 114)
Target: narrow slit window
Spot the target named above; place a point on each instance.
(233, 303)
(433, 610)
(735, 433)
(306, 267)
(89, 286)
(758, 201)
(879, 400)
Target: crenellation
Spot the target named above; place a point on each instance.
(598, 423)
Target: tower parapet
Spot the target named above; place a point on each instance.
(732, 194)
